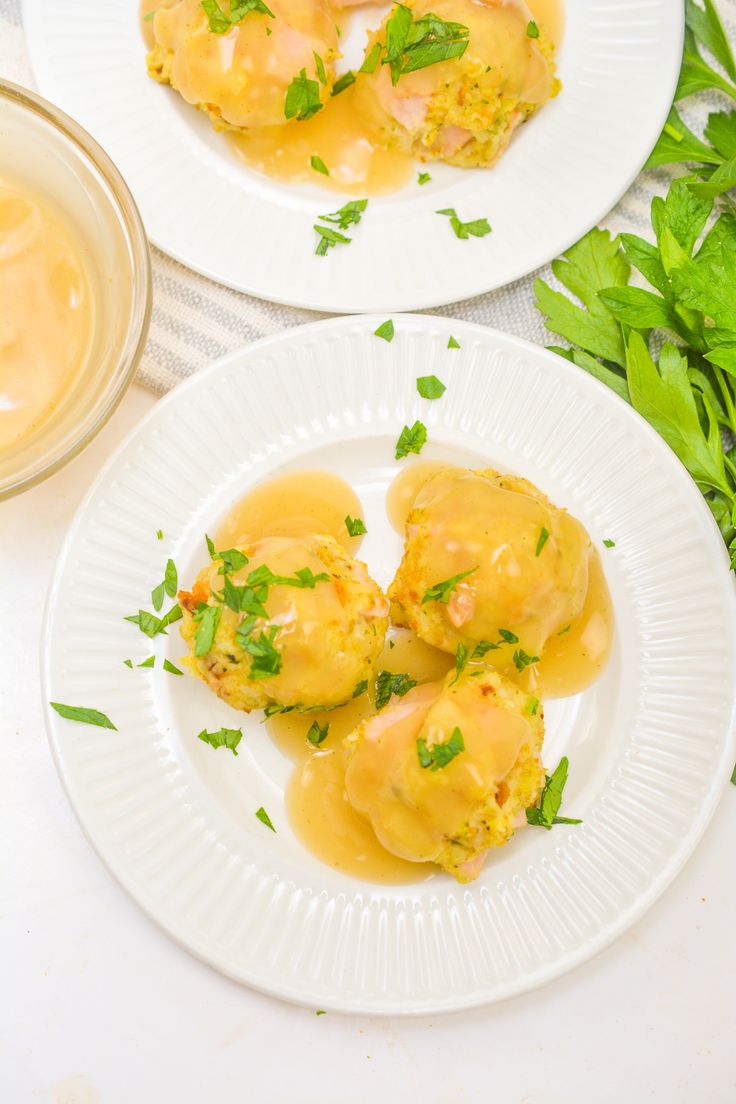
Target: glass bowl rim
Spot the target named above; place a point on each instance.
(126, 209)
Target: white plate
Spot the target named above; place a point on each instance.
(564, 171)
(650, 745)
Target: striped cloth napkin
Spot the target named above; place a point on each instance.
(195, 320)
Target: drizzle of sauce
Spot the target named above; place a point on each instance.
(297, 504)
(405, 487)
(46, 312)
(242, 76)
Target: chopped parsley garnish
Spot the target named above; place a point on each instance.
(360, 688)
(429, 387)
(532, 30)
(264, 818)
(386, 330)
(355, 526)
(151, 625)
(208, 618)
(84, 715)
(461, 662)
(609, 543)
(220, 23)
(423, 178)
(482, 647)
(128, 662)
(320, 66)
(441, 592)
(411, 439)
(388, 684)
(477, 227)
(149, 16)
(439, 755)
(317, 733)
(304, 578)
(522, 660)
(168, 586)
(532, 706)
(371, 59)
(275, 707)
(150, 662)
(453, 344)
(414, 45)
(302, 98)
(265, 659)
(318, 165)
(343, 82)
(160, 534)
(508, 636)
(349, 215)
(320, 1012)
(172, 670)
(329, 239)
(232, 558)
(224, 737)
(543, 538)
(245, 599)
(565, 630)
(545, 814)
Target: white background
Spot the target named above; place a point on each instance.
(97, 1006)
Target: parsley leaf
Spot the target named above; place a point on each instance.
(478, 227)
(532, 706)
(329, 239)
(343, 82)
(429, 387)
(545, 814)
(438, 756)
(320, 66)
(453, 344)
(461, 662)
(355, 526)
(220, 23)
(360, 688)
(349, 214)
(302, 98)
(543, 538)
(150, 662)
(171, 669)
(371, 59)
(441, 592)
(388, 683)
(522, 660)
(412, 45)
(423, 178)
(318, 165)
(223, 737)
(317, 734)
(411, 440)
(609, 543)
(82, 714)
(532, 30)
(265, 659)
(483, 647)
(264, 818)
(208, 618)
(385, 330)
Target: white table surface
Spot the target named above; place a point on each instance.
(97, 1006)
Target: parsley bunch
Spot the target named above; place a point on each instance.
(687, 389)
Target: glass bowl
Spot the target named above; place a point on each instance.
(43, 148)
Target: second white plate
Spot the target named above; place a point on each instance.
(564, 170)
(650, 744)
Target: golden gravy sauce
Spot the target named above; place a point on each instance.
(307, 502)
(46, 310)
(296, 504)
(352, 135)
(316, 802)
(573, 659)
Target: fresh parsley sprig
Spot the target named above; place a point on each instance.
(220, 22)
(545, 815)
(439, 755)
(389, 683)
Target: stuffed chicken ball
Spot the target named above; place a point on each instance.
(463, 110)
(490, 564)
(238, 63)
(446, 772)
(284, 622)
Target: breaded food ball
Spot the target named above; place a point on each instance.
(489, 563)
(446, 772)
(298, 624)
(241, 76)
(465, 109)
